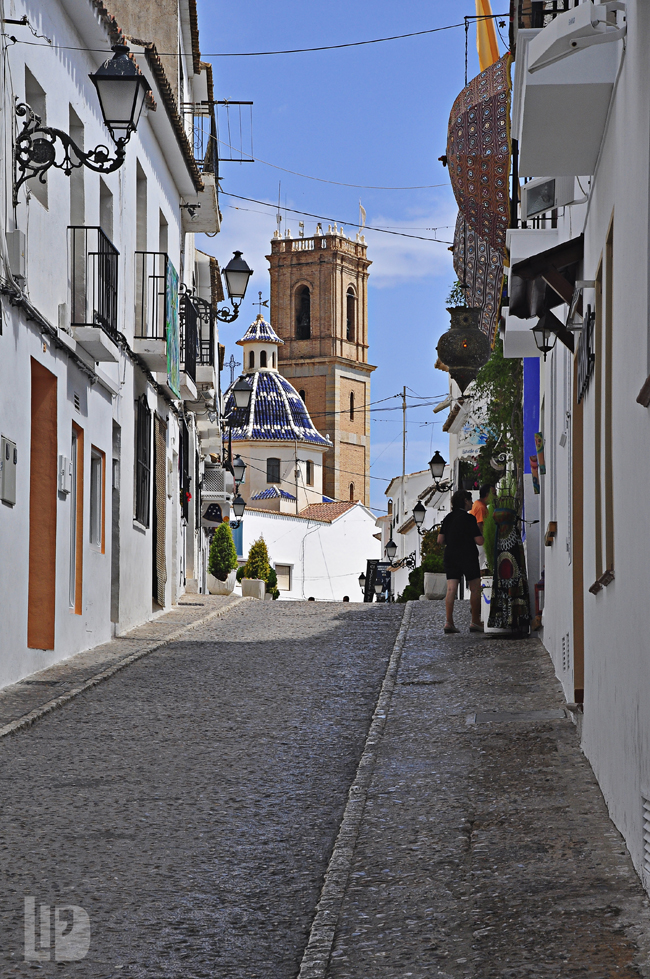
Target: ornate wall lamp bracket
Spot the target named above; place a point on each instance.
(226, 315)
(37, 151)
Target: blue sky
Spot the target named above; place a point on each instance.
(372, 115)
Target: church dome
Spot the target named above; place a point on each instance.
(276, 411)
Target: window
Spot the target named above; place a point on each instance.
(303, 313)
(142, 461)
(251, 360)
(273, 358)
(283, 571)
(76, 518)
(273, 470)
(351, 406)
(303, 397)
(105, 209)
(35, 98)
(263, 358)
(351, 491)
(97, 463)
(310, 472)
(73, 519)
(351, 314)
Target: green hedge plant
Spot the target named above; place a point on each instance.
(223, 553)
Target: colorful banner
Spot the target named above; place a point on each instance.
(539, 445)
(172, 331)
(535, 474)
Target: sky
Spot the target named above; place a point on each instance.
(374, 115)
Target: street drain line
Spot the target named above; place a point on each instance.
(316, 957)
(35, 715)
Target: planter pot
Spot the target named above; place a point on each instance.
(435, 585)
(253, 588)
(268, 597)
(217, 587)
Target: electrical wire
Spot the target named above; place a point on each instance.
(322, 217)
(261, 54)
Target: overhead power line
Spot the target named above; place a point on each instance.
(322, 217)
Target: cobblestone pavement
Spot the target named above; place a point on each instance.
(190, 803)
(485, 848)
(33, 692)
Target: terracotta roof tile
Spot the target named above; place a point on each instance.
(326, 511)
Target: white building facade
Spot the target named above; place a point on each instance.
(109, 350)
(579, 265)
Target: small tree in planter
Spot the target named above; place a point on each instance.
(223, 553)
(257, 567)
(222, 561)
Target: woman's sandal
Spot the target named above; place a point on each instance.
(449, 629)
(476, 627)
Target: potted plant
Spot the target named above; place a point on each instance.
(256, 570)
(429, 579)
(222, 561)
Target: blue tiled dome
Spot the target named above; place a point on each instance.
(258, 331)
(276, 412)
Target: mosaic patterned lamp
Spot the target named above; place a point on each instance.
(464, 349)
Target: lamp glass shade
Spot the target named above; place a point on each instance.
(391, 549)
(241, 393)
(121, 90)
(362, 581)
(379, 586)
(237, 273)
(419, 513)
(437, 465)
(544, 338)
(239, 468)
(238, 506)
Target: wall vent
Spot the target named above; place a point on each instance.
(646, 834)
(566, 652)
(77, 402)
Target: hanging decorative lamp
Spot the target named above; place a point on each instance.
(464, 348)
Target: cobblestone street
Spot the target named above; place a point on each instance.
(191, 804)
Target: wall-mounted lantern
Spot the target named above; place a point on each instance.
(121, 89)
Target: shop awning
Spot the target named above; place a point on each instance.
(545, 280)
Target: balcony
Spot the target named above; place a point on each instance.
(151, 287)
(93, 292)
(534, 15)
(189, 343)
(205, 215)
(564, 78)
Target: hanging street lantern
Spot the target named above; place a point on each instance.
(437, 465)
(239, 469)
(544, 338)
(121, 89)
(464, 348)
(391, 550)
(419, 513)
(362, 581)
(242, 393)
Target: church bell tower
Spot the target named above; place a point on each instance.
(319, 307)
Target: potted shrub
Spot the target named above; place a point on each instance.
(429, 579)
(222, 561)
(256, 570)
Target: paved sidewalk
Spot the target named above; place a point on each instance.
(32, 693)
(485, 849)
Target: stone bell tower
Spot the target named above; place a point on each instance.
(319, 307)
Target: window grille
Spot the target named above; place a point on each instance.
(93, 278)
(303, 313)
(96, 496)
(351, 314)
(310, 472)
(142, 461)
(188, 319)
(151, 295)
(273, 470)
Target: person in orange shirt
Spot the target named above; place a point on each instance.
(480, 507)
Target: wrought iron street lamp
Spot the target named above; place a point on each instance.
(437, 466)
(544, 338)
(238, 507)
(236, 273)
(362, 581)
(241, 391)
(239, 469)
(121, 89)
(419, 513)
(391, 550)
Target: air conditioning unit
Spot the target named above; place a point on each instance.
(545, 193)
(217, 490)
(64, 475)
(580, 27)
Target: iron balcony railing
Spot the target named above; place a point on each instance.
(93, 278)
(205, 326)
(535, 14)
(151, 295)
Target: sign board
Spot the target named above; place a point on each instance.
(375, 570)
(586, 354)
(172, 331)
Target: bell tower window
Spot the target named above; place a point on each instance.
(273, 470)
(351, 314)
(351, 406)
(303, 313)
(263, 358)
(251, 360)
(351, 492)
